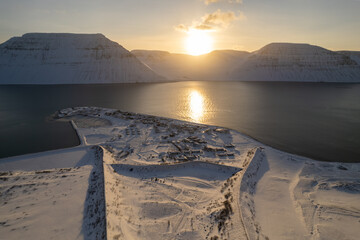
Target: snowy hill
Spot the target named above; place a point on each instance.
(62, 58)
(297, 62)
(216, 65)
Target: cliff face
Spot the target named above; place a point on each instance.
(297, 62)
(61, 58)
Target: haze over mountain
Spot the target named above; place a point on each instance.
(214, 66)
(63, 58)
(274, 62)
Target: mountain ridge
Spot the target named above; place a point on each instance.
(300, 62)
(70, 58)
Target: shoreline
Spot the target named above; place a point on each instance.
(327, 135)
(81, 143)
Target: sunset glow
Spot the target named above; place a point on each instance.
(198, 42)
(196, 101)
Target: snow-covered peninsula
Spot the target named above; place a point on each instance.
(143, 177)
(64, 58)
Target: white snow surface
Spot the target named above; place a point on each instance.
(64, 158)
(143, 177)
(52, 195)
(64, 58)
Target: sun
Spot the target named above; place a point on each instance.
(198, 42)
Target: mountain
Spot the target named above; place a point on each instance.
(297, 62)
(216, 65)
(63, 58)
(274, 62)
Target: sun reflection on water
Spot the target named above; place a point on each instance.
(196, 104)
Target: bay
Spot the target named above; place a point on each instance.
(317, 120)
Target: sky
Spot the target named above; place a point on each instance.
(165, 24)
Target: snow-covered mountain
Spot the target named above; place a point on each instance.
(297, 62)
(274, 62)
(216, 65)
(62, 58)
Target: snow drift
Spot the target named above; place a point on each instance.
(63, 58)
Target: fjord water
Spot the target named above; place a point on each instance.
(317, 120)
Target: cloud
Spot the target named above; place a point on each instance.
(181, 28)
(207, 2)
(219, 18)
(203, 27)
(212, 21)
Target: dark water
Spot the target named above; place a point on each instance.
(317, 120)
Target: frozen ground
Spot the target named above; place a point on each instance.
(143, 177)
(290, 197)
